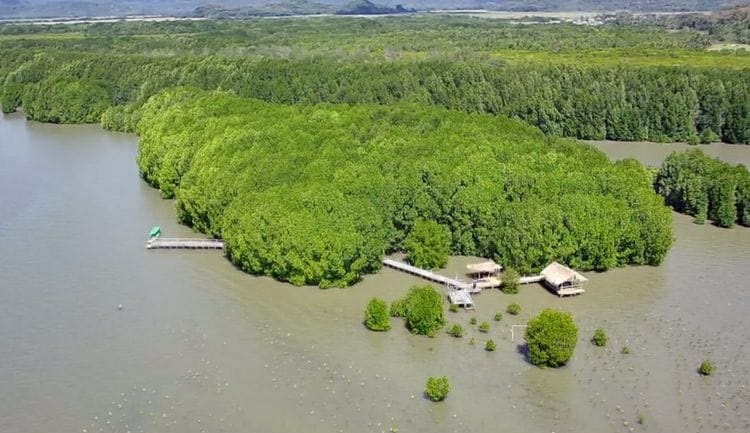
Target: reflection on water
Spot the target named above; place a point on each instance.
(201, 347)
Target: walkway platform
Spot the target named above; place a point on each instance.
(462, 299)
(185, 243)
(429, 275)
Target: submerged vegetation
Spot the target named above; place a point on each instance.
(706, 368)
(600, 338)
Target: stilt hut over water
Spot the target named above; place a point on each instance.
(563, 280)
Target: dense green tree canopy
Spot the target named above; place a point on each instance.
(319, 198)
(615, 82)
(705, 187)
(427, 245)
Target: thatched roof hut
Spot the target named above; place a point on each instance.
(562, 279)
(484, 268)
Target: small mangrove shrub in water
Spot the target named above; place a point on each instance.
(484, 327)
(377, 317)
(490, 346)
(707, 368)
(511, 281)
(599, 338)
(513, 309)
(437, 388)
(473, 341)
(551, 338)
(453, 308)
(398, 307)
(625, 350)
(423, 310)
(456, 331)
(473, 321)
(498, 316)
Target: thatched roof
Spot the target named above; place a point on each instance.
(488, 267)
(557, 274)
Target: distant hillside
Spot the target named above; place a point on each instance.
(725, 25)
(99, 8)
(365, 7)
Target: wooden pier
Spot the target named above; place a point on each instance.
(429, 275)
(184, 243)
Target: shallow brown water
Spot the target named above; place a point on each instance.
(199, 346)
(653, 154)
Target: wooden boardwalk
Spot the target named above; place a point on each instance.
(475, 286)
(428, 275)
(185, 243)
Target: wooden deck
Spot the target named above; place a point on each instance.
(572, 291)
(461, 288)
(475, 286)
(461, 298)
(185, 243)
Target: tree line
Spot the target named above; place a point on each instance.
(616, 103)
(706, 188)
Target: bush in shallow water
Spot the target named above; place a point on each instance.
(513, 309)
(423, 310)
(484, 327)
(498, 316)
(551, 338)
(511, 281)
(453, 308)
(490, 346)
(437, 388)
(456, 331)
(398, 308)
(707, 368)
(625, 350)
(473, 321)
(599, 338)
(376, 315)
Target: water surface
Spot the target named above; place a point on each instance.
(201, 347)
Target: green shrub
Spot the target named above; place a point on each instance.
(599, 338)
(376, 315)
(625, 350)
(398, 308)
(551, 338)
(707, 368)
(437, 388)
(498, 316)
(456, 331)
(423, 310)
(513, 309)
(453, 308)
(490, 346)
(473, 321)
(428, 245)
(511, 281)
(484, 327)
